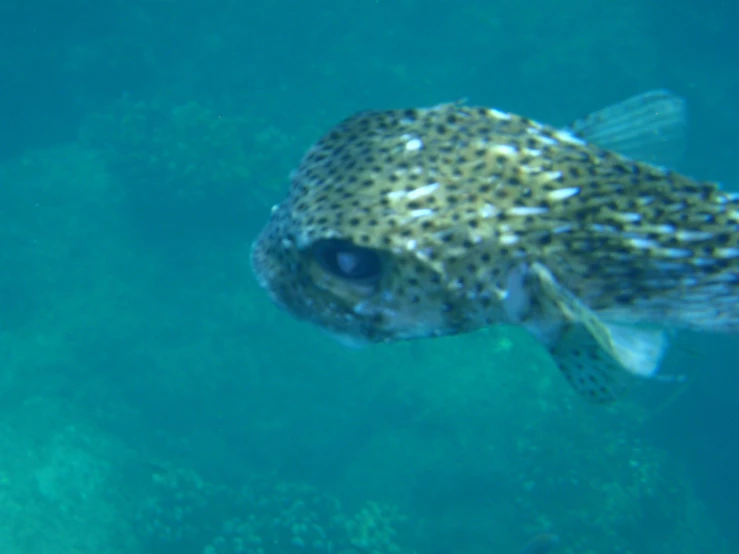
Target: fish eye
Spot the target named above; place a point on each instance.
(347, 261)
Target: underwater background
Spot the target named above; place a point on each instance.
(153, 400)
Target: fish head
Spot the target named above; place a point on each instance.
(356, 290)
(378, 240)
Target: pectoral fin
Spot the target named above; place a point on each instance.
(588, 368)
(596, 357)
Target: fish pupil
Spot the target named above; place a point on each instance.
(347, 261)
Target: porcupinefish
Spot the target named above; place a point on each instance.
(413, 223)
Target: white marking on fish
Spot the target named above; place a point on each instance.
(670, 266)
(423, 212)
(562, 229)
(567, 137)
(689, 236)
(644, 244)
(498, 114)
(553, 176)
(504, 149)
(527, 210)
(563, 194)
(548, 141)
(703, 262)
(661, 229)
(598, 228)
(727, 252)
(414, 145)
(628, 217)
(422, 191)
(507, 240)
(677, 252)
(488, 210)
(397, 195)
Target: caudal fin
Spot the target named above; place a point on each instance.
(648, 127)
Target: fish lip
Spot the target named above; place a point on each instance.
(349, 340)
(257, 263)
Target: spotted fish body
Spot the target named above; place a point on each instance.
(416, 223)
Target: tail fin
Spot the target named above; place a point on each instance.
(648, 127)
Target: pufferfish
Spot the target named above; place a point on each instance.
(424, 222)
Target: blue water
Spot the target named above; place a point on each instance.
(155, 401)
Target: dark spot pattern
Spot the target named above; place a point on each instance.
(455, 197)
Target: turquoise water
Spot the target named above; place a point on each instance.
(154, 400)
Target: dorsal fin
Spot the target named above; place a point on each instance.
(648, 127)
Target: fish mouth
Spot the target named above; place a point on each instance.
(258, 261)
(353, 342)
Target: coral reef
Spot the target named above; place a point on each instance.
(182, 159)
(264, 516)
(60, 483)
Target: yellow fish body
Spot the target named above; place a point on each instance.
(416, 223)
